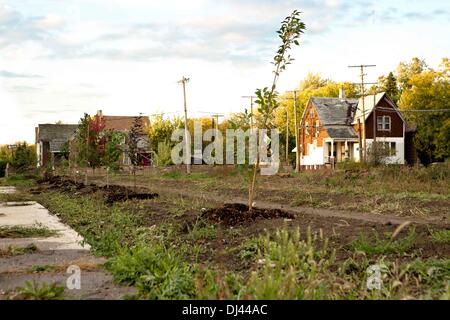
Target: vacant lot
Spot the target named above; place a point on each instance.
(337, 226)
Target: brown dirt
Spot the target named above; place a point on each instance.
(112, 193)
(232, 214)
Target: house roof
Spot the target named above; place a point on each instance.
(334, 111)
(343, 132)
(53, 132)
(122, 123)
(369, 104)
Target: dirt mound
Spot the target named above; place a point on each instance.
(232, 214)
(113, 193)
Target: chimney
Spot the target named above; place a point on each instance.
(342, 93)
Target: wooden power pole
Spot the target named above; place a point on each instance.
(187, 139)
(297, 143)
(362, 148)
(251, 109)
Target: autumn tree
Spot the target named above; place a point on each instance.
(429, 90)
(90, 142)
(134, 139)
(406, 71)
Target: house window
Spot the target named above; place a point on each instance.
(317, 128)
(306, 128)
(384, 123)
(390, 147)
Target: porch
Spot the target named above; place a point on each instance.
(339, 150)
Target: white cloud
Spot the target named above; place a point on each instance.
(49, 22)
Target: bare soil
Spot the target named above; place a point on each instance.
(112, 193)
(232, 214)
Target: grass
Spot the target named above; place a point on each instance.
(15, 251)
(202, 231)
(157, 271)
(440, 236)
(19, 180)
(35, 291)
(25, 232)
(150, 248)
(176, 175)
(38, 268)
(384, 245)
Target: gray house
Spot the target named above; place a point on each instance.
(50, 140)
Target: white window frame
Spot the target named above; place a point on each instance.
(384, 123)
(392, 145)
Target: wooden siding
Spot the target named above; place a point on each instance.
(396, 122)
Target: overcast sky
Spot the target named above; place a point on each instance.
(59, 58)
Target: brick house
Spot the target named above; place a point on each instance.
(331, 130)
(123, 124)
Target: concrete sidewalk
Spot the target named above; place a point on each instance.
(32, 214)
(55, 253)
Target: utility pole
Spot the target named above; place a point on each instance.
(251, 109)
(362, 148)
(297, 144)
(187, 139)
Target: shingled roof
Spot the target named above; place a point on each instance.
(122, 123)
(52, 132)
(336, 132)
(335, 111)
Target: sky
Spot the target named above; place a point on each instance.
(61, 58)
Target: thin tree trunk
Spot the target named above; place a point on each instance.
(252, 186)
(251, 194)
(134, 178)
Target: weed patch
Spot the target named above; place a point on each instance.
(34, 291)
(384, 245)
(25, 232)
(440, 236)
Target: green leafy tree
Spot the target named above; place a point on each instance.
(24, 157)
(289, 33)
(430, 90)
(160, 129)
(389, 85)
(163, 155)
(113, 149)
